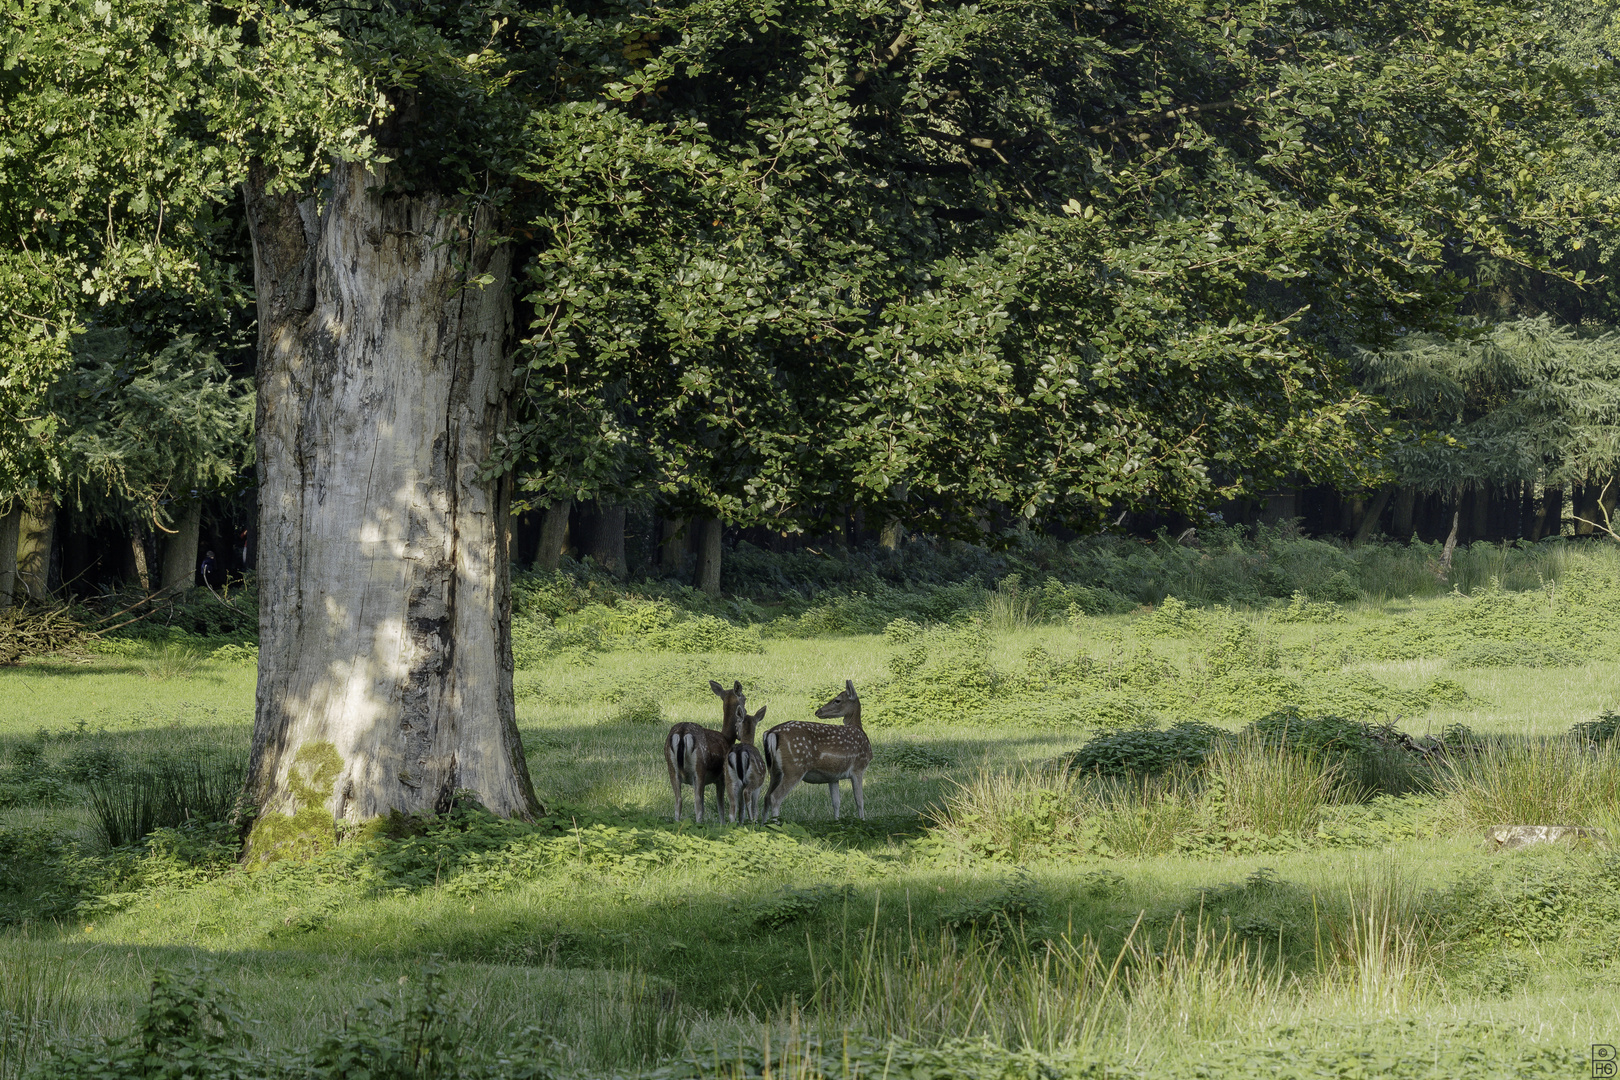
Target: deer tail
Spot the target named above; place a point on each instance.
(680, 755)
(770, 752)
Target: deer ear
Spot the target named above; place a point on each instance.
(849, 685)
(737, 686)
(761, 714)
(717, 688)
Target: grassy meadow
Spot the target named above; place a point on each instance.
(1064, 866)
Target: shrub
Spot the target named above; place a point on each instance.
(941, 674)
(1142, 752)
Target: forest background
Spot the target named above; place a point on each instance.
(1091, 382)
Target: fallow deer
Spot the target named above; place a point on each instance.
(745, 771)
(819, 753)
(696, 755)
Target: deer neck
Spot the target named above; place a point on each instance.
(853, 719)
(728, 728)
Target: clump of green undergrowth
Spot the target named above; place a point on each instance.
(1556, 781)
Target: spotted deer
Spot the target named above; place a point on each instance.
(696, 755)
(819, 753)
(745, 771)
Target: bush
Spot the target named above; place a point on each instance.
(1142, 752)
(940, 674)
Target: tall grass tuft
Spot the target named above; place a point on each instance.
(1013, 815)
(1010, 608)
(34, 995)
(1040, 994)
(129, 803)
(1380, 957)
(1144, 818)
(171, 660)
(1557, 781)
(1269, 789)
(1190, 980)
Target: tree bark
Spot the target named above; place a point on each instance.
(1403, 524)
(35, 535)
(137, 565)
(1585, 508)
(385, 670)
(180, 550)
(1551, 522)
(708, 568)
(1451, 540)
(10, 523)
(604, 535)
(672, 551)
(553, 535)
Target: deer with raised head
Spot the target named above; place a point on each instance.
(799, 751)
(745, 771)
(696, 755)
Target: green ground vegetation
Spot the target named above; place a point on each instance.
(1126, 835)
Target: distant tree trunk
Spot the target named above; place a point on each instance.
(1405, 503)
(35, 538)
(1608, 495)
(1479, 527)
(180, 549)
(1527, 510)
(708, 568)
(1551, 522)
(1584, 508)
(672, 550)
(385, 661)
(553, 535)
(137, 558)
(893, 534)
(1451, 540)
(1374, 514)
(10, 524)
(604, 535)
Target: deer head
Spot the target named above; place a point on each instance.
(847, 705)
(733, 707)
(749, 725)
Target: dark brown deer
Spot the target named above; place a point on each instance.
(745, 771)
(819, 754)
(696, 755)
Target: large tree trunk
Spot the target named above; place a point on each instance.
(36, 535)
(708, 567)
(10, 523)
(180, 549)
(553, 535)
(385, 659)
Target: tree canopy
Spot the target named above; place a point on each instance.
(1055, 257)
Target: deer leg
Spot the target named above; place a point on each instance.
(785, 783)
(834, 792)
(674, 783)
(860, 796)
